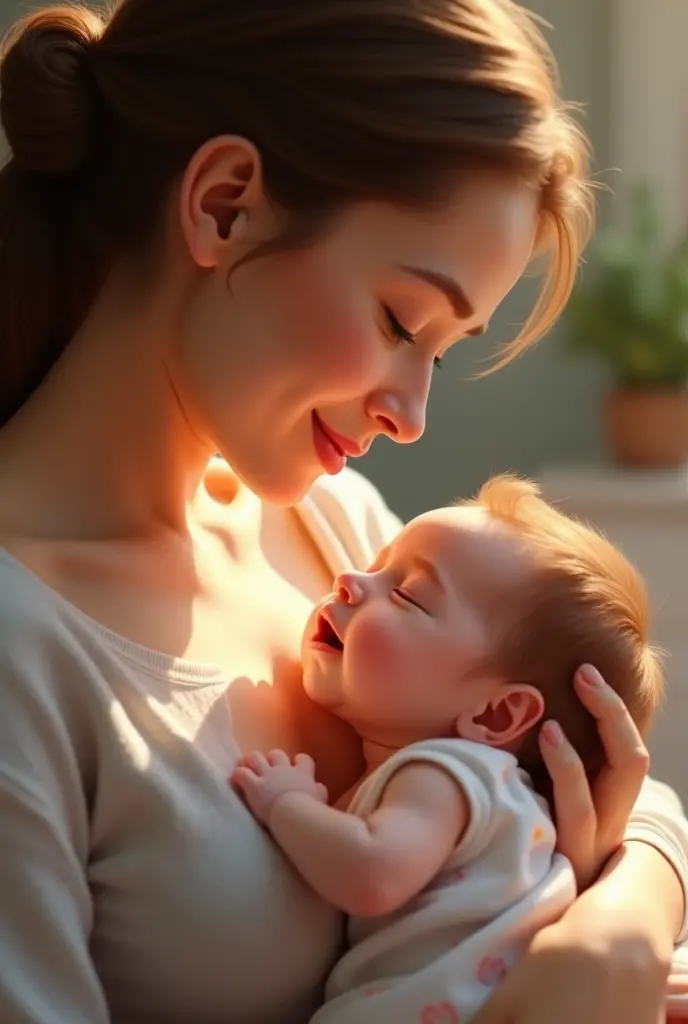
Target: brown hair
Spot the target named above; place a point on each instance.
(346, 100)
(586, 604)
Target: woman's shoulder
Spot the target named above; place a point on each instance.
(50, 698)
(26, 613)
(28, 604)
(44, 656)
(348, 518)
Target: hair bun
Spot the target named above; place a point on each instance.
(47, 98)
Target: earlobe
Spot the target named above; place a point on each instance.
(221, 187)
(505, 718)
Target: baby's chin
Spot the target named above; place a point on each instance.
(323, 688)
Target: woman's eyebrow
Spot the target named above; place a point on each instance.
(456, 296)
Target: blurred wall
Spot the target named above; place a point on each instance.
(540, 410)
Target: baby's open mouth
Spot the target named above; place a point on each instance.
(327, 635)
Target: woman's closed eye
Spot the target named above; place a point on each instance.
(402, 333)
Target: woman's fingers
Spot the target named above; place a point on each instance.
(574, 808)
(618, 784)
(622, 742)
(591, 821)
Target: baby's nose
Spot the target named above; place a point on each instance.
(348, 588)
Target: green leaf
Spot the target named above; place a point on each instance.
(630, 308)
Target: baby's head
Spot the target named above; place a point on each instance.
(473, 622)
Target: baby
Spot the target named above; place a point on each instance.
(444, 656)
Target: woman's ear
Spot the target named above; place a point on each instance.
(222, 192)
(505, 718)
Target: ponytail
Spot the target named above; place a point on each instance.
(47, 278)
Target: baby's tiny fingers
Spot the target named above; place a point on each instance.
(306, 762)
(257, 762)
(242, 778)
(278, 757)
(247, 758)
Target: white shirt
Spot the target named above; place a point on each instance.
(135, 888)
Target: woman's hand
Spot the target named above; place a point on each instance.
(607, 960)
(598, 965)
(591, 822)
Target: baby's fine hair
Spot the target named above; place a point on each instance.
(586, 604)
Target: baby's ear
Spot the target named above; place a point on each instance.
(506, 717)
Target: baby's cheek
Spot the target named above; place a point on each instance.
(381, 647)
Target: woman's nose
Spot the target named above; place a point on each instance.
(401, 411)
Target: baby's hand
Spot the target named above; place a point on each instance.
(262, 780)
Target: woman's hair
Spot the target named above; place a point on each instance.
(346, 101)
(585, 604)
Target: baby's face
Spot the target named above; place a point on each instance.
(393, 649)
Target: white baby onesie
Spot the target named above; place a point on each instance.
(437, 959)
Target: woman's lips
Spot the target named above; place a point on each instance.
(331, 449)
(345, 444)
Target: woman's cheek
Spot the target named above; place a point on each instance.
(332, 316)
(347, 344)
(350, 353)
(362, 362)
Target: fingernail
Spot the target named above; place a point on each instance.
(590, 676)
(552, 732)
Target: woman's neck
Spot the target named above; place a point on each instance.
(103, 448)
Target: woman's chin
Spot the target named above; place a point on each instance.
(278, 481)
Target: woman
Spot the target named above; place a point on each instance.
(252, 228)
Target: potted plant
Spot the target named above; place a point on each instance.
(630, 311)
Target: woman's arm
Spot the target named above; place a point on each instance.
(658, 822)
(607, 960)
(46, 972)
(639, 882)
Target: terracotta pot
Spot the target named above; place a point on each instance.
(647, 429)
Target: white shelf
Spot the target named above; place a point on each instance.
(607, 487)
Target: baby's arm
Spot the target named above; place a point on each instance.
(365, 866)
